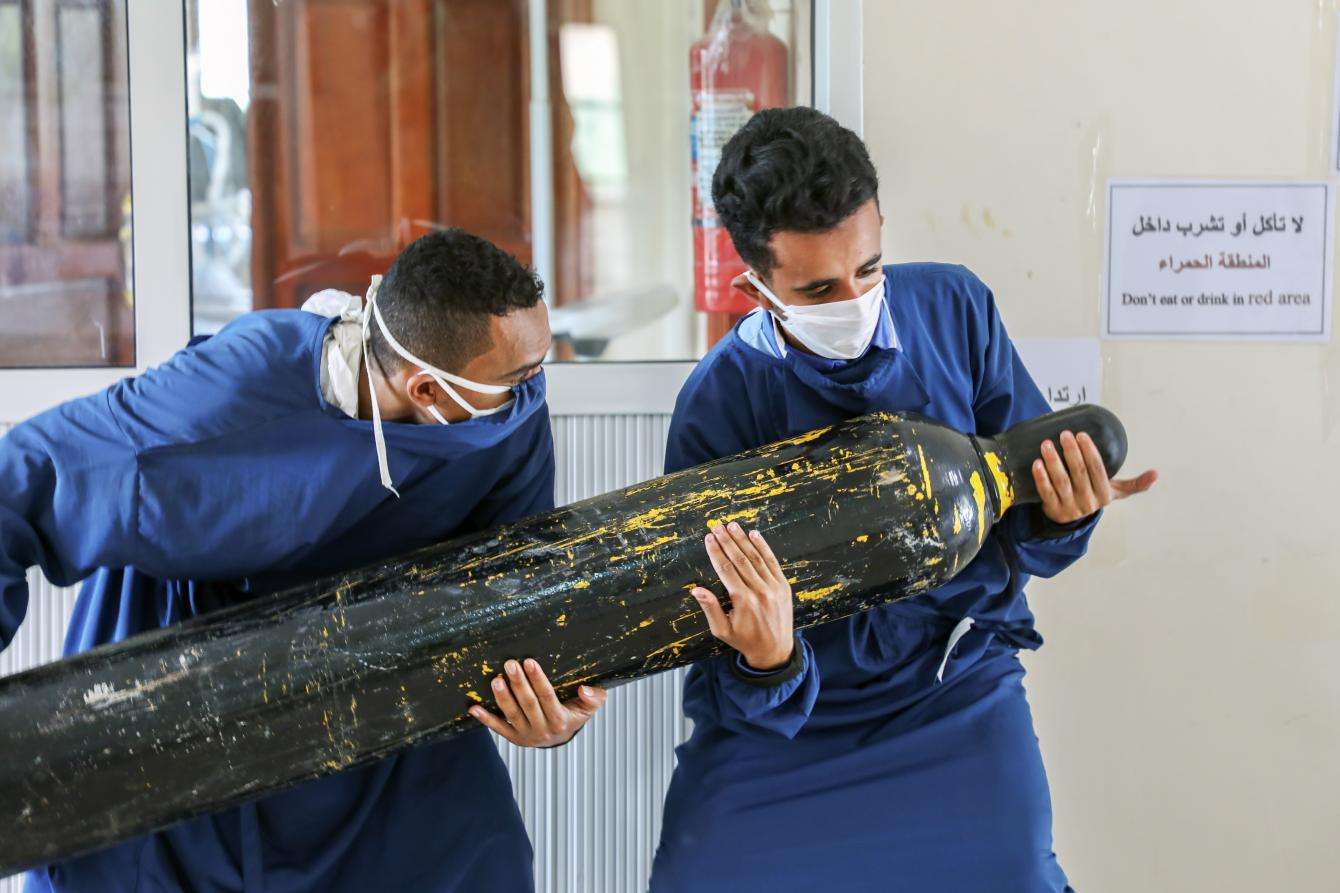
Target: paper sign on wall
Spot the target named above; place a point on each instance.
(1206, 260)
(1068, 371)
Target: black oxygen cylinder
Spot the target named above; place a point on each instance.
(196, 717)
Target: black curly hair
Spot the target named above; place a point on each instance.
(438, 295)
(790, 169)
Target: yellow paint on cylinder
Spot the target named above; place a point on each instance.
(741, 515)
(656, 517)
(979, 494)
(474, 696)
(673, 647)
(809, 595)
(805, 438)
(654, 544)
(1004, 490)
(925, 473)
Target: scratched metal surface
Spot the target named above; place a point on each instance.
(344, 670)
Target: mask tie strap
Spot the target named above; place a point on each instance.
(766, 292)
(378, 437)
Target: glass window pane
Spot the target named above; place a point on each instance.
(83, 119)
(14, 186)
(219, 95)
(326, 136)
(65, 240)
(653, 92)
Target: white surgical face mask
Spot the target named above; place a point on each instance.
(839, 330)
(370, 312)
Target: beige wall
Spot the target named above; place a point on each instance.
(1188, 699)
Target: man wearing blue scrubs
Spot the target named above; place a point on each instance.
(294, 444)
(893, 750)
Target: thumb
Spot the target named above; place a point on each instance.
(589, 699)
(717, 621)
(1132, 486)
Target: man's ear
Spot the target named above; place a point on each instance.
(421, 389)
(742, 284)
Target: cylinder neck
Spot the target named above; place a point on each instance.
(1010, 456)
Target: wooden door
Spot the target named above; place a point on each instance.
(373, 121)
(65, 297)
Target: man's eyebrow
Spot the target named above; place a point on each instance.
(810, 286)
(818, 283)
(531, 365)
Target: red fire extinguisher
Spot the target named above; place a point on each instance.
(735, 69)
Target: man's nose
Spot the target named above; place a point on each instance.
(847, 289)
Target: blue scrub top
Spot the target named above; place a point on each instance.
(227, 465)
(874, 769)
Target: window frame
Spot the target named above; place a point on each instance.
(161, 223)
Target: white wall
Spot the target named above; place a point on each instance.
(1188, 699)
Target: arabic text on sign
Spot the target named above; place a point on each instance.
(1265, 223)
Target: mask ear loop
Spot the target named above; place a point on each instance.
(429, 367)
(475, 412)
(378, 437)
(372, 311)
(766, 292)
(442, 377)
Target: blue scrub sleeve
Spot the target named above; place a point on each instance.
(794, 666)
(781, 709)
(67, 501)
(1005, 395)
